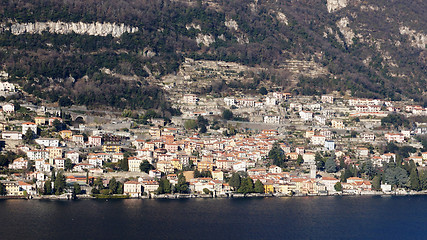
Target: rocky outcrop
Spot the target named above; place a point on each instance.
(205, 39)
(417, 39)
(347, 32)
(94, 29)
(335, 5)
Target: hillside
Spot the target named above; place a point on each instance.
(116, 53)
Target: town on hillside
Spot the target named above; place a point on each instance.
(271, 143)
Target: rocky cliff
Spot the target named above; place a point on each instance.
(93, 29)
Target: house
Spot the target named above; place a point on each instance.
(394, 137)
(274, 169)
(218, 175)
(95, 141)
(362, 152)
(78, 139)
(116, 157)
(37, 154)
(337, 123)
(165, 167)
(40, 120)
(11, 135)
(54, 152)
(368, 137)
(133, 189)
(134, 163)
(150, 186)
(73, 156)
(327, 98)
(95, 162)
(59, 163)
(318, 140)
(48, 142)
(190, 99)
(271, 119)
(29, 126)
(154, 173)
(329, 183)
(111, 148)
(19, 163)
(306, 115)
(329, 145)
(66, 134)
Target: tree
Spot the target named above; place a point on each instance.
(124, 164)
(259, 187)
(320, 163)
(277, 155)
(28, 137)
(396, 176)
(347, 173)
(376, 183)
(235, 181)
(145, 166)
(164, 186)
(227, 114)
(190, 124)
(247, 186)
(59, 184)
(47, 187)
(206, 191)
(414, 180)
(300, 160)
(330, 165)
(368, 169)
(98, 184)
(2, 189)
(263, 91)
(76, 190)
(338, 187)
(68, 165)
(113, 185)
(181, 186)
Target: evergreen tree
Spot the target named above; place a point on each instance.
(277, 155)
(376, 183)
(338, 187)
(320, 164)
(59, 184)
(181, 186)
(2, 189)
(124, 164)
(330, 165)
(259, 187)
(414, 180)
(235, 181)
(113, 185)
(145, 166)
(47, 187)
(300, 160)
(247, 186)
(164, 186)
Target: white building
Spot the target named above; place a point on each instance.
(73, 156)
(132, 188)
(8, 108)
(272, 119)
(11, 135)
(48, 142)
(306, 115)
(29, 126)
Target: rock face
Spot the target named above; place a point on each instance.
(417, 39)
(335, 5)
(205, 39)
(343, 25)
(94, 29)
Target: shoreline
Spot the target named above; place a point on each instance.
(68, 197)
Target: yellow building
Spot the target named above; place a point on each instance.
(13, 189)
(54, 152)
(268, 187)
(176, 164)
(205, 166)
(66, 134)
(111, 148)
(40, 120)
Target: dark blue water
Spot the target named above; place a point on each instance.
(268, 218)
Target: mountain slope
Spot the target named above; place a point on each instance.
(372, 48)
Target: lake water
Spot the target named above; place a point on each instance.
(358, 217)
